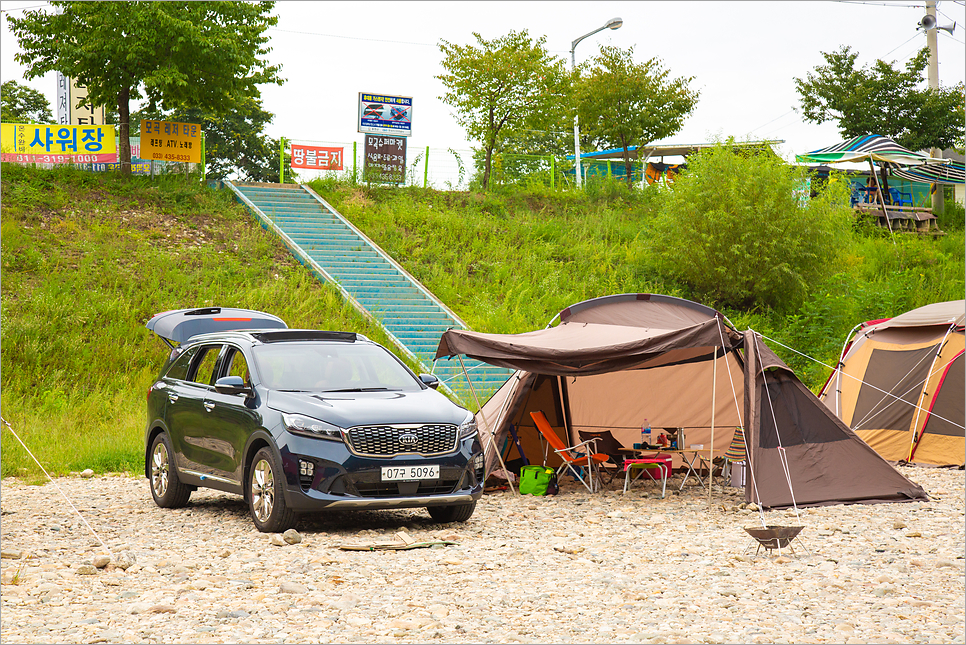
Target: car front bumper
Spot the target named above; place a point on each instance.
(343, 481)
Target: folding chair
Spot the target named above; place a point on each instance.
(606, 444)
(736, 451)
(571, 459)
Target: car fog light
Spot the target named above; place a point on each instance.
(306, 468)
(478, 461)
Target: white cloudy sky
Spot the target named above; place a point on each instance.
(742, 55)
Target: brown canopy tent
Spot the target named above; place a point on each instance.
(616, 360)
(899, 385)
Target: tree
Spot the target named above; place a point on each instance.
(883, 100)
(22, 104)
(181, 55)
(501, 86)
(737, 231)
(622, 103)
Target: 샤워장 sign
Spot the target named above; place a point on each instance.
(170, 141)
(385, 159)
(383, 114)
(316, 158)
(37, 143)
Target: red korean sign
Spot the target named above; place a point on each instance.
(316, 158)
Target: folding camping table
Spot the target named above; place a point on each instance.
(697, 461)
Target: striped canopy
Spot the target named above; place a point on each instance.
(870, 147)
(949, 173)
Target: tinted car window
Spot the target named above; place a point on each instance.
(331, 366)
(237, 365)
(179, 369)
(205, 365)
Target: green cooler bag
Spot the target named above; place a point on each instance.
(535, 479)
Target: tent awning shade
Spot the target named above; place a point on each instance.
(573, 348)
(950, 174)
(872, 147)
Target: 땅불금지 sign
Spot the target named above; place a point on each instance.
(37, 143)
(170, 141)
(382, 114)
(316, 158)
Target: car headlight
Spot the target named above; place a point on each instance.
(300, 424)
(468, 427)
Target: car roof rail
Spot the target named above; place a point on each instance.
(304, 334)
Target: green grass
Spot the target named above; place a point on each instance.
(87, 259)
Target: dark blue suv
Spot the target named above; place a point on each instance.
(300, 421)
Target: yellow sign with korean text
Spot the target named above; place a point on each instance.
(40, 143)
(170, 141)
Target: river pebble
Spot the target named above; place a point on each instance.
(572, 568)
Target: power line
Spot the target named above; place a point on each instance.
(36, 6)
(372, 40)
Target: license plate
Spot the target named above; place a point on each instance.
(409, 473)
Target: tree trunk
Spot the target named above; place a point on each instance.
(124, 116)
(628, 168)
(486, 167)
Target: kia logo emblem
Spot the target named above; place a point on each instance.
(408, 439)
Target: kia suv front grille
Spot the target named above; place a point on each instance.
(391, 440)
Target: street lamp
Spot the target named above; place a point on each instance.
(613, 23)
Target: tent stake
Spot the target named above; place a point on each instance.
(490, 435)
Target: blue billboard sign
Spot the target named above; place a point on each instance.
(383, 114)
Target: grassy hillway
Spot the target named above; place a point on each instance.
(87, 259)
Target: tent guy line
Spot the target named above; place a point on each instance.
(855, 378)
(59, 489)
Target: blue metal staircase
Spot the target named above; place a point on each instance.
(370, 280)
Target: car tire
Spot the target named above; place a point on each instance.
(456, 513)
(166, 489)
(266, 501)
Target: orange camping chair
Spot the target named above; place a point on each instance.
(590, 459)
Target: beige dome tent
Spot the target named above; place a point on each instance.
(617, 360)
(900, 385)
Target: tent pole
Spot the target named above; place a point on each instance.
(490, 435)
(714, 392)
(878, 190)
(916, 431)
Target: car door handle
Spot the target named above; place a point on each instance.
(172, 397)
(209, 406)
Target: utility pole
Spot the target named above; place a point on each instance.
(932, 41)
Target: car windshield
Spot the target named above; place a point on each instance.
(331, 367)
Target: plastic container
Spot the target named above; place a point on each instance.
(646, 433)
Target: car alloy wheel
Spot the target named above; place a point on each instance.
(166, 489)
(263, 490)
(159, 469)
(266, 500)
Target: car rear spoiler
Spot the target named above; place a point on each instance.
(179, 325)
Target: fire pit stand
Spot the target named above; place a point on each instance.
(776, 538)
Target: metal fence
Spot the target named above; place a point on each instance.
(457, 168)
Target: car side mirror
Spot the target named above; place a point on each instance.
(429, 380)
(232, 385)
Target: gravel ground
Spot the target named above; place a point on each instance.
(573, 568)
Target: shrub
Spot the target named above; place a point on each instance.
(736, 232)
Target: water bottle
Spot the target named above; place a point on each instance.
(646, 434)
